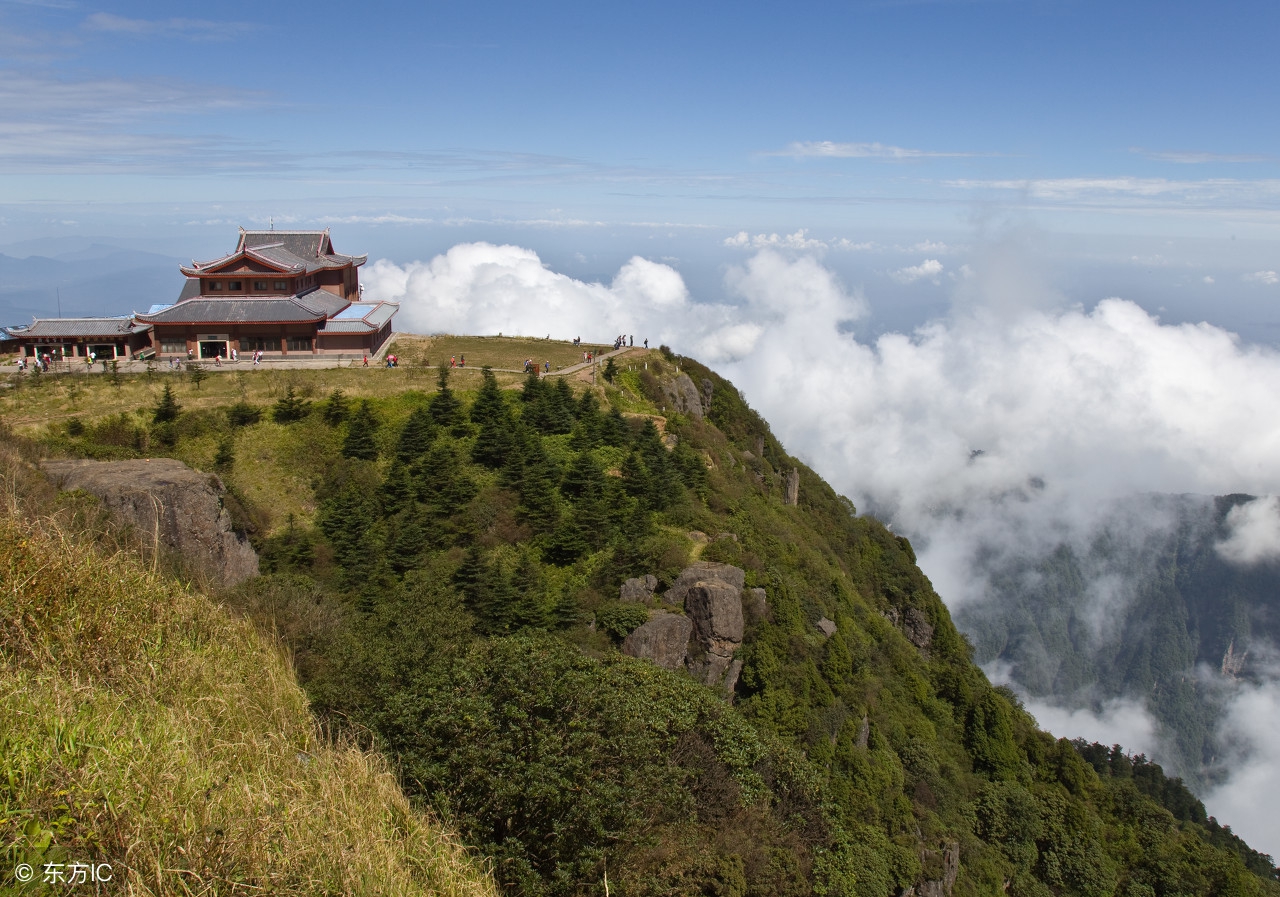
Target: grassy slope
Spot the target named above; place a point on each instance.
(142, 726)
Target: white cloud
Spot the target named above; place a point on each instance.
(800, 240)
(832, 150)
(483, 288)
(1207, 279)
(198, 29)
(1253, 532)
(1246, 801)
(1266, 277)
(930, 269)
(1198, 157)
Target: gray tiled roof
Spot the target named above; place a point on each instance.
(308, 250)
(113, 328)
(251, 309)
(369, 323)
(322, 301)
(190, 289)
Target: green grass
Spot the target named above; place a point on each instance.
(143, 726)
(499, 352)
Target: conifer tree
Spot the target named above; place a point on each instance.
(538, 498)
(664, 480)
(444, 407)
(529, 609)
(416, 436)
(290, 407)
(225, 457)
(359, 442)
(614, 430)
(336, 408)
(398, 490)
(560, 408)
(587, 431)
(489, 403)
(610, 370)
(494, 442)
(167, 409)
(406, 542)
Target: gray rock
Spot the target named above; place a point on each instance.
(715, 607)
(828, 627)
(708, 390)
(917, 628)
(663, 640)
(791, 493)
(759, 446)
(704, 571)
(757, 604)
(167, 501)
(640, 588)
(684, 395)
(949, 860)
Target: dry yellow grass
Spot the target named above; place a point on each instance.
(143, 726)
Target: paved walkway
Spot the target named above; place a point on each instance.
(299, 362)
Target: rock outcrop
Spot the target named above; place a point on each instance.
(828, 627)
(917, 628)
(704, 571)
(663, 640)
(640, 589)
(705, 638)
(684, 395)
(945, 864)
(165, 499)
(791, 489)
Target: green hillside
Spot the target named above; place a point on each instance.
(445, 567)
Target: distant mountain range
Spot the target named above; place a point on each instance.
(87, 276)
(1149, 608)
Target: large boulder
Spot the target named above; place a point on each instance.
(167, 501)
(640, 589)
(663, 640)
(704, 571)
(917, 628)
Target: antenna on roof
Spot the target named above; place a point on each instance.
(59, 290)
(272, 221)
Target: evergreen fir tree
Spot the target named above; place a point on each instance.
(489, 403)
(242, 414)
(406, 542)
(494, 442)
(336, 408)
(398, 490)
(587, 431)
(529, 609)
(416, 436)
(664, 480)
(614, 430)
(610, 370)
(538, 498)
(560, 408)
(290, 407)
(225, 457)
(359, 442)
(167, 409)
(444, 407)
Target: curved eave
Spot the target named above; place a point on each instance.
(223, 322)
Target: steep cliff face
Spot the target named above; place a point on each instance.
(165, 500)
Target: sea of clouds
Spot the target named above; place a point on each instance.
(1009, 421)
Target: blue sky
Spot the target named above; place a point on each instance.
(851, 119)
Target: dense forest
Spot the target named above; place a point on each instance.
(454, 601)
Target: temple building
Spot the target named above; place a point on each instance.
(285, 292)
(280, 292)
